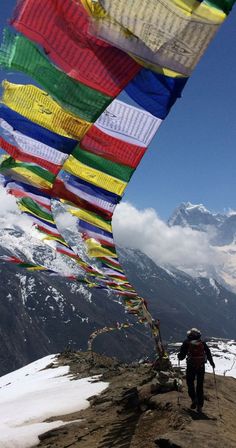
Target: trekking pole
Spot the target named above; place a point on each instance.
(178, 388)
(217, 396)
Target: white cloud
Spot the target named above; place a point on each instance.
(181, 247)
(230, 212)
(10, 215)
(8, 203)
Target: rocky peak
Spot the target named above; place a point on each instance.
(196, 216)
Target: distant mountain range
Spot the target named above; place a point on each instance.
(41, 314)
(221, 232)
(199, 218)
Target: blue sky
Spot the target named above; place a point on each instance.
(193, 156)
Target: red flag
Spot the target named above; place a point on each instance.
(62, 28)
(20, 154)
(104, 145)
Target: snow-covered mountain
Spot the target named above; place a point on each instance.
(221, 232)
(195, 216)
(40, 314)
(221, 228)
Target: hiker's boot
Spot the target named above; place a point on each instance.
(193, 405)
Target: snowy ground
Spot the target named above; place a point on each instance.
(30, 395)
(224, 355)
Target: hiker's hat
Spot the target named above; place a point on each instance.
(194, 332)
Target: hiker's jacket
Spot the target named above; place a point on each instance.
(185, 351)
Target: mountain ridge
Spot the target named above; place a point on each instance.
(143, 408)
(198, 217)
(194, 216)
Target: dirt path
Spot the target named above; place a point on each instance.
(127, 415)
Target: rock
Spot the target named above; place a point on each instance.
(148, 412)
(91, 421)
(83, 424)
(168, 386)
(164, 382)
(48, 434)
(145, 392)
(179, 384)
(103, 406)
(51, 366)
(129, 398)
(97, 400)
(148, 378)
(143, 407)
(163, 442)
(164, 375)
(155, 386)
(156, 403)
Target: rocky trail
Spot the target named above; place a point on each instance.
(140, 409)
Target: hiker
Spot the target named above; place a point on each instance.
(197, 353)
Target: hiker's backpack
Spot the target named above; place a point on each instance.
(196, 356)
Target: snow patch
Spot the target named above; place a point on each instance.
(31, 395)
(214, 286)
(189, 206)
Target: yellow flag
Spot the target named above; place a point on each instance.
(95, 177)
(36, 268)
(95, 249)
(36, 105)
(30, 177)
(92, 218)
(53, 238)
(94, 8)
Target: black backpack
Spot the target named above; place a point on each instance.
(196, 356)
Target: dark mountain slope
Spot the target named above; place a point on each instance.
(181, 301)
(41, 314)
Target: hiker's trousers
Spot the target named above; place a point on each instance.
(195, 393)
